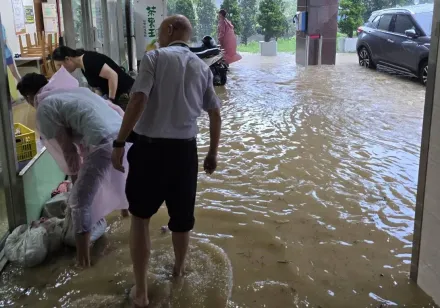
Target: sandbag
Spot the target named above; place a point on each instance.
(56, 207)
(27, 246)
(54, 229)
(98, 230)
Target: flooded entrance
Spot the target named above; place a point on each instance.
(312, 205)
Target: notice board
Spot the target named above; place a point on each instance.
(148, 15)
(19, 19)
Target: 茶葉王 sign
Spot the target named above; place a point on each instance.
(148, 15)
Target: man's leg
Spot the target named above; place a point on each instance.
(180, 244)
(144, 191)
(140, 246)
(181, 197)
(125, 213)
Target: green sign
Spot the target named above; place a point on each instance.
(151, 18)
(29, 14)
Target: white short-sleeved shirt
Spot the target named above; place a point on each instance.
(178, 86)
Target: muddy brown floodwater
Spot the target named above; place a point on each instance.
(312, 204)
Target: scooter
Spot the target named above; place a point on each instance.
(212, 55)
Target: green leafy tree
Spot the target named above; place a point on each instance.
(171, 7)
(207, 17)
(248, 19)
(290, 10)
(271, 19)
(77, 24)
(350, 12)
(375, 5)
(186, 8)
(233, 10)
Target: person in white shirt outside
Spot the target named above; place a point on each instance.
(172, 89)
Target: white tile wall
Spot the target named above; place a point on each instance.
(429, 263)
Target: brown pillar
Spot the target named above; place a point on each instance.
(321, 19)
(38, 13)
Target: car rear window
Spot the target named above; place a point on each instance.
(403, 23)
(425, 21)
(384, 23)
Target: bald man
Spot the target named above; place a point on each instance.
(172, 89)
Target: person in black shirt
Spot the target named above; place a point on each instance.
(100, 71)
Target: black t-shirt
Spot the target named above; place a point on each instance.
(93, 64)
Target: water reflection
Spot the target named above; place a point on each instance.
(313, 202)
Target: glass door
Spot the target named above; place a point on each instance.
(77, 22)
(4, 221)
(5, 147)
(4, 225)
(12, 204)
(99, 25)
(109, 36)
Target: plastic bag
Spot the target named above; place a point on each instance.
(98, 230)
(56, 207)
(54, 229)
(27, 246)
(63, 187)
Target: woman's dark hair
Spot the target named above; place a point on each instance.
(62, 52)
(31, 83)
(222, 12)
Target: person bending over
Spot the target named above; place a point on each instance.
(78, 128)
(172, 89)
(100, 71)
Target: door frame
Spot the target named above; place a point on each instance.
(426, 134)
(14, 195)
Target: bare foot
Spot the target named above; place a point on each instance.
(125, 213)
(138, 300)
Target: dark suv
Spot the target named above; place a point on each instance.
(397, 40)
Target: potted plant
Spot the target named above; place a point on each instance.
(273, 24)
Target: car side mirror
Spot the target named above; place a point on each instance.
(411, 33)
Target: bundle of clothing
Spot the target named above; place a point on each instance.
(29, 245)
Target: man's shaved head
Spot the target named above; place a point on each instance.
(174, 28)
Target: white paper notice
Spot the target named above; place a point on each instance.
(19, 19)
(50, 18)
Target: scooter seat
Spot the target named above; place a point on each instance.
(208, 53)
(197, 49)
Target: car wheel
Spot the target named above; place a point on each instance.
(365, 58)
(423, 74)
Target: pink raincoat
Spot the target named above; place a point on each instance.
(227, 40)
(78, 128)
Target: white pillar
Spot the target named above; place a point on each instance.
(425, 265)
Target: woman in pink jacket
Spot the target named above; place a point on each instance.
(226, 38)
